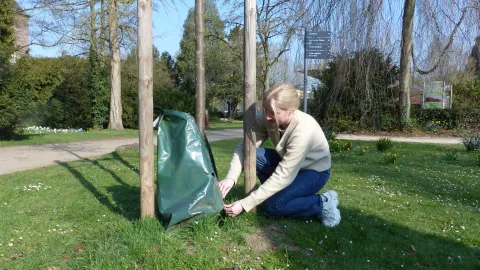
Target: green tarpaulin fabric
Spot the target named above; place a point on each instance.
(187, 179)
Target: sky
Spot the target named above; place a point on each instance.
(167, 29)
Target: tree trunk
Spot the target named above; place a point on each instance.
(102, 29)
(115, 120)
(200, 66)
(406, 51)
(267, 78)
(93, 33)
(145, 98)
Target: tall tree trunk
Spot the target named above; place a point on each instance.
(115, 120)
(406, 51)
(93, 32)
(102, 29)
(200, 66)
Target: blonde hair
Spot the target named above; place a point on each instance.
(283, 95)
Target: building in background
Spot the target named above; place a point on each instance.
(21, 33)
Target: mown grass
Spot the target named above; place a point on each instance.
(35, 139)
(423, 212)
(218, 125)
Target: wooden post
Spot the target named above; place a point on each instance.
(145, 97)
(249, 106)
(200, 66)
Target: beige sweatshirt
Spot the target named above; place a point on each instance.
(302, 146)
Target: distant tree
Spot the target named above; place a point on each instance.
(7, 38)
(216, 54)
(348, 100)
(8, 112)
(162, 86)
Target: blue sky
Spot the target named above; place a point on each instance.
(167, 29)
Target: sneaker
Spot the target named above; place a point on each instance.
(330, 213)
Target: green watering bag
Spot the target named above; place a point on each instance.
(187, 177)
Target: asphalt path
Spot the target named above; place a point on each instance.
(20, 158)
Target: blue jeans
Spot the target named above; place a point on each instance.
(300, 198)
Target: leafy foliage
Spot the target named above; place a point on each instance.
(98, 86)
(220, 62)
(165, 96)
(8, 113)
(383, 144)
(8, 117)
(357, 90)
(466, 89)
(472, 142)
(466, 118)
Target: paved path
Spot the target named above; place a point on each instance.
(20, 158)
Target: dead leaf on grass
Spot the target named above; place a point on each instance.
(79, 248)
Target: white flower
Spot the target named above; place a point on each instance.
(10, 244)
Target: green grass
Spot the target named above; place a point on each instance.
(218, 125)
(33, 139)
(421, 212)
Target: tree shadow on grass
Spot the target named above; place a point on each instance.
(360, 242)
(125, 197)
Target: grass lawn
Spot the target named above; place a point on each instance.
(421, 212)
(34, 139)
(225, 125)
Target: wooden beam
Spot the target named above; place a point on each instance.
(200, 66)
(145, 97)
(249, 102)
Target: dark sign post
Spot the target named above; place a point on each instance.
(317, 46)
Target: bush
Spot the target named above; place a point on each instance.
(383, 144)
(451, 155)
(329, 134)
(390, 158)
(339, 147)
(448, 118)
(8, 118)
(472, 142)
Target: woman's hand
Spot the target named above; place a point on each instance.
(233, 209)
(226, 185)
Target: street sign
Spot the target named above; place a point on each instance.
(317, 44)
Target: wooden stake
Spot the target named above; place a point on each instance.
(249, 102)
(145, 97)
(200, 66)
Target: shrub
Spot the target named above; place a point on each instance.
(448, 118)
(329, 134)
(390, 158)
(8, 118)
(472, 142)
(451, 155)
(338, 146)
(383, 144)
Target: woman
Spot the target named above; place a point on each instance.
(293, 172)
